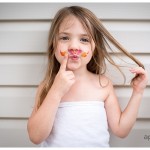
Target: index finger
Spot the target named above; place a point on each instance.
(64, 63)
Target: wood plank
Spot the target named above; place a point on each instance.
(32, 37)
(14, 128)
(29, 70)
(126, 64)
(124, 95)
(30, 11)
(136, 138)
(22, 69)
(24, 41)
(18, 102)
(10, 128)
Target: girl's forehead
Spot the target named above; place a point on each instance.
(69, 22)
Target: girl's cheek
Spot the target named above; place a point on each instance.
(58, 56)
(63, 53)
(84, 54)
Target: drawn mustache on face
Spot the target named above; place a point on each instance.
(74, 52)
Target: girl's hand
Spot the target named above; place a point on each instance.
(64, 79)
(140, 80)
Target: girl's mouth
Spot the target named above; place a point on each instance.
(74, 57)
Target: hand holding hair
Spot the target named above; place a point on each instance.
(140, 80)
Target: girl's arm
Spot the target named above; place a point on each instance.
(41, 121)
(122, 122)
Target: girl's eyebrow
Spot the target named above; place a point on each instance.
(64, 33)
(67, 33)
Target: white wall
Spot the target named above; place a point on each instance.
(23, 43)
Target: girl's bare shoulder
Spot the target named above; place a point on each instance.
(103, 80)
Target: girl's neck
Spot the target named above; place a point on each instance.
(81, 73)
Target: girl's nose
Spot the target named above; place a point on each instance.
(74, 51)
(73, 44)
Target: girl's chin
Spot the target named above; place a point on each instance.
(73, 67)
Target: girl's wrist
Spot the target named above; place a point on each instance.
(56, 92)
(137, 91)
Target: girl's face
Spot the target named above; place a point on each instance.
(74, 41)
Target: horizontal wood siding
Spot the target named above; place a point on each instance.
(24, 31)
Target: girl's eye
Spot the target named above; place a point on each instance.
(64, 38)
(84, 39)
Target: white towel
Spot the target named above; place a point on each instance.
(79, 124)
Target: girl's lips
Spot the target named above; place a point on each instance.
(74, 57)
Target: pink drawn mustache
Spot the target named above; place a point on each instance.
(74, 52)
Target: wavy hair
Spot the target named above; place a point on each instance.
(96, 31)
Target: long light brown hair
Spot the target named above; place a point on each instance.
(96, 31)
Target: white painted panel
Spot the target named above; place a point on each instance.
(20, 74)
(138, 137)
(30, 69)
(18, 129)
(14, 133)
(32, 37)
(24, 37)
(18, 102)
(127, 63)
(134, 41)
(124, 94)
(127, 25)
(48, 10)
(23, 40)
(21, 69)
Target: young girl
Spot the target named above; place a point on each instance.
(76, 103)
